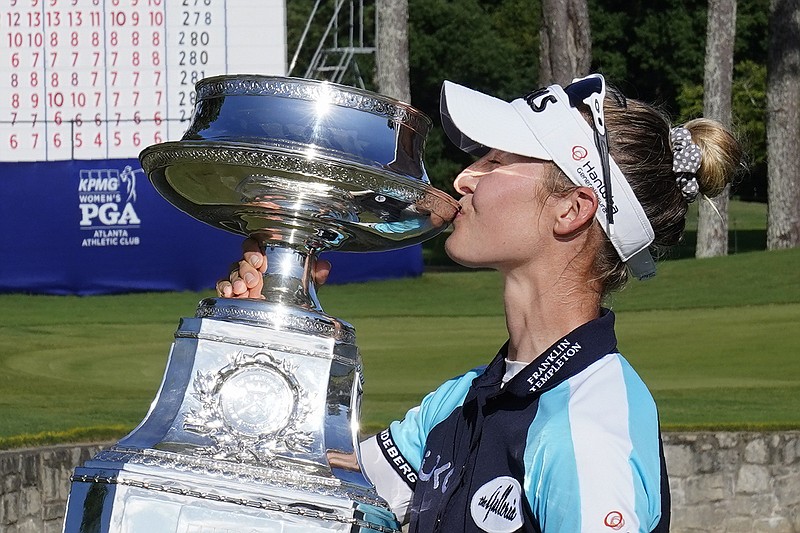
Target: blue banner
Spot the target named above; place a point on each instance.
(99, 227)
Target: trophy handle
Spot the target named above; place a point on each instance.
(289, 278)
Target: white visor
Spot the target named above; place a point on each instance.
(547, 125)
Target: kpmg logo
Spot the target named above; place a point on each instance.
(106, 199)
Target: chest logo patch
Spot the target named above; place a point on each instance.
(496, 507)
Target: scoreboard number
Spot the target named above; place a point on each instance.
(102, 79)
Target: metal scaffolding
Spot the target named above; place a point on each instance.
(345, 39)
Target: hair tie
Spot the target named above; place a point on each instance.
(686, 157)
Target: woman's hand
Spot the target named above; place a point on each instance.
(246, 278)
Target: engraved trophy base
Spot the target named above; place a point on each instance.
(257, 408)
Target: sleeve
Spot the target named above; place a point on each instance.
(394, 484)
(391, 458)
(593, 460)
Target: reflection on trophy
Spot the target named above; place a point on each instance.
(255, 425)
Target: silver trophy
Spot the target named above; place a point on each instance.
(255, 425)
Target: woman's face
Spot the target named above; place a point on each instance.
(499, 225)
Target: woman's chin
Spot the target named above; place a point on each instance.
(462, 259)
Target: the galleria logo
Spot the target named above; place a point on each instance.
(106, 199)
(497, 506)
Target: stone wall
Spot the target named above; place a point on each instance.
(721, 482)
(35, 486)
(734, 482)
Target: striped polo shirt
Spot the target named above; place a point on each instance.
(571, 443)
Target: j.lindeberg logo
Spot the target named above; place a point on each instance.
(496, 507)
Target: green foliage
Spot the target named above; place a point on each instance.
(649, 48)
(748, 104)
(489, 46)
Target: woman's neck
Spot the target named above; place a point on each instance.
(539, 312)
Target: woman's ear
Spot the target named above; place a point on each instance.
(576, 211)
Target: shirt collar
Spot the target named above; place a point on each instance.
(567, 357)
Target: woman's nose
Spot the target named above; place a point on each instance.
(466, 181)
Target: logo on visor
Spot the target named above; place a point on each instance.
(579, 152)
(538, 108)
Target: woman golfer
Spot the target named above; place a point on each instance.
(572, 193)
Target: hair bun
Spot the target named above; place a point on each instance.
(721, 155)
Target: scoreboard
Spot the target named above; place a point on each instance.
(102, 79)
(85, 86)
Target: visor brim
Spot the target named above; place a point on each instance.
(477, 122)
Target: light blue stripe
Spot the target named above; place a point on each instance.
(551, 473)
(411, 433)
(645, 459)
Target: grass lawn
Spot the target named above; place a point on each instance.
(717, 340)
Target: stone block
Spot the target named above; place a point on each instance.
(790, 450)
(776, 524)
(677, 492)
(787, 489)
(55, 481)
(728, 440)
(793, 514)
(12, 482)
(706, 461)
(754, 506)
(29, 525)
(54, 510)
(739, 524)
(680, 460)
(752, 479)
(9, 465)
(10, 505)
(707, 518)
(707, 489)
(53, 526)
(729, 459)
(30, 502)
(756, 452)
(30, 469)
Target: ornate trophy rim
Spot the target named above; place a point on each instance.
(312, 90)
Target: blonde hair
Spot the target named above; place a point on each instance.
(638, 137)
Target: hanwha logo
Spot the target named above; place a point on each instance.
(614, 520)
(579, 152)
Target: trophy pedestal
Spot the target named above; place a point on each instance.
(254, 426)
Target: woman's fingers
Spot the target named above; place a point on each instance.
(246, 278)
(321, 271)
(254, 255)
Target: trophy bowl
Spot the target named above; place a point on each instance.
(302, 164)
(255, 426)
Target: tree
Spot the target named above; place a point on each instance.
(391, 59)
(712, 224)
(565, 43)
(783, 125)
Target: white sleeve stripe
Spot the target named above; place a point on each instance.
(605, 476)
(389, 484)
